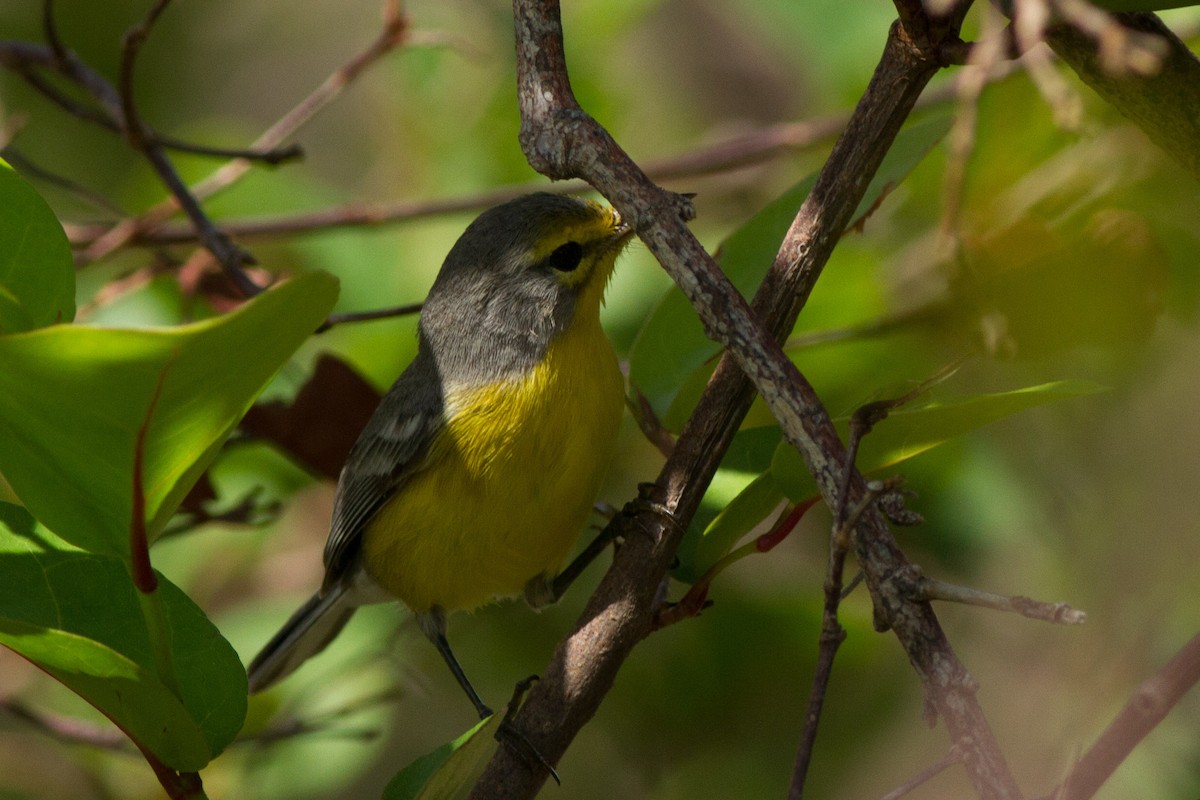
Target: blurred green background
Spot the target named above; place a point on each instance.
(1080, 261)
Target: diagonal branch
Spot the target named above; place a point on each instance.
(1156, 696)
(562, 141)
(1162, 102)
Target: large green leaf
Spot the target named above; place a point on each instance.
(671, 347)
(451, 770)
(76, 403)
(76, 615)
(37, 276)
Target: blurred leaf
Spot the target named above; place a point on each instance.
(305, 428)
(76, 615)
(672, 348)
(450, 771)
(1039, 289)
(1141, 5)
(908, 432)
(73, 398)
(37, 274)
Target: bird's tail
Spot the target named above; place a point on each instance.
(306, 633)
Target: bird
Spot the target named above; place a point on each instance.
(474, 477)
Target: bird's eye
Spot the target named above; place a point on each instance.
(566, 257)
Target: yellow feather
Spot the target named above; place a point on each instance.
(508, 484)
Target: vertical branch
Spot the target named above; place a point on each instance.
(561, 140)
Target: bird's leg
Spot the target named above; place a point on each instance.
(543, 592)
(433, 625)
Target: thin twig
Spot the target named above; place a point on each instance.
(393, 34)
(363, 316)
(22, 164)
(648, 422)
(68, 730)
(24, 58)
(231, 257)
(951, 758)
(832, 635)
(1060, 613)
(50, 31)
(863, 421)
(741, 151)
(272, 157)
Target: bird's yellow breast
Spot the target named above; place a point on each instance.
(508, 483)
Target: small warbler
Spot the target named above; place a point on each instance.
(474, 477)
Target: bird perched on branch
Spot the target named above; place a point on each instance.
(475, 475)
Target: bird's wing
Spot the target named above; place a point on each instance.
(392, 447)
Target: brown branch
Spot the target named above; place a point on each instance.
(832, 636)
(1162, 102)
(1145, 709)
(561, 140)
(67, 729)
(232, 258)
(25, 58)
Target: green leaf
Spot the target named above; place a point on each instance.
(73, 400)
(908, 432)
(726, 516)
(37, 275)
(737, 499)
(451, 770)
(671, 347)
(76, 615)
(754, 504)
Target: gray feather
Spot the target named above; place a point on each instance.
(307, 633)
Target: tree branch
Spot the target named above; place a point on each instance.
(1145, 709)
(561, 140)
(395, 28)
(1160, 98)
(737, 152)
(232, 258)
